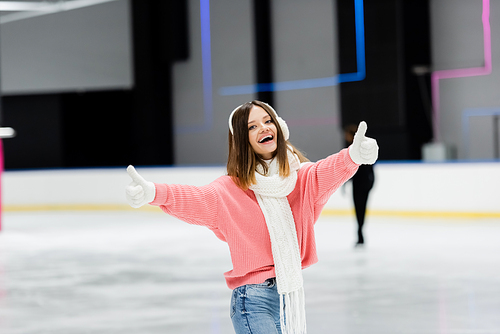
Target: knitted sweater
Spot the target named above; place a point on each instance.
(236, 218)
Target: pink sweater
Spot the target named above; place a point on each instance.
(235, 216)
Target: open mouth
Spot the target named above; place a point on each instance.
(266, 139)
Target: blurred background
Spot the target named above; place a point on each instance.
(108, 83)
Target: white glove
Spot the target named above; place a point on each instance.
(364, 150)
(140, 191)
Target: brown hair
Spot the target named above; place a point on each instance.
(242, 160)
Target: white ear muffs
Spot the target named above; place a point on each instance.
(281, 121)
(284, 128)
(231, 118)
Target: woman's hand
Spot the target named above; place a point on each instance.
(364, 150)
(140, 191)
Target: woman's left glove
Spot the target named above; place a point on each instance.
(140, 191)
(364, 150)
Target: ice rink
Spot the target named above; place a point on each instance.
(143, 272)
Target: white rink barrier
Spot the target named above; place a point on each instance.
(444, 189)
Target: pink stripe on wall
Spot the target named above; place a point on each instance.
(461, 73)
(1, 172)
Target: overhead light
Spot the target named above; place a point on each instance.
(7, 132)
(18, 6)
(25, 10)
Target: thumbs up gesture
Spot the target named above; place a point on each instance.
(140, 191)
(364, 150)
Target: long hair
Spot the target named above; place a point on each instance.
(242, 160)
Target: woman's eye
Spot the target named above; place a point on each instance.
(252, 127)
(269, 121)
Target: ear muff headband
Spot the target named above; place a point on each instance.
(281, 122)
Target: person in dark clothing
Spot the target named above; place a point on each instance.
(362, 183)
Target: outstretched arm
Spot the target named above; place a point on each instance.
(323, 178)
(194, 205)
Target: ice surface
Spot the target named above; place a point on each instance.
(140, 272)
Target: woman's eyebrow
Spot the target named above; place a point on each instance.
(252, 121)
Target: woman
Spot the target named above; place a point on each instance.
(265, 209)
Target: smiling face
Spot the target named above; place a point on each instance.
(262, 133)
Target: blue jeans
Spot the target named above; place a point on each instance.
(255, 308)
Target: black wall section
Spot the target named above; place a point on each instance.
(263, 47)
(154, 51)
(38, 124)
(107, 128)
(390, 99)
(96, 128)
(178, 29)
(69, 130)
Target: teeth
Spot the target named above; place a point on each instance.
(268, 136)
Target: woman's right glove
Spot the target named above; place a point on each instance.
(140, 191)
(364, 150)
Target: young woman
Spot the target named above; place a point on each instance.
(265, 208)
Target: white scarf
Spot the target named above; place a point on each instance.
(271, 191)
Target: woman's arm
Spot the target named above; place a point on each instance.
(326, 176)
(194, 205)
(321, 179)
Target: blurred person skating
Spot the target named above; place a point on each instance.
(362, 183)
